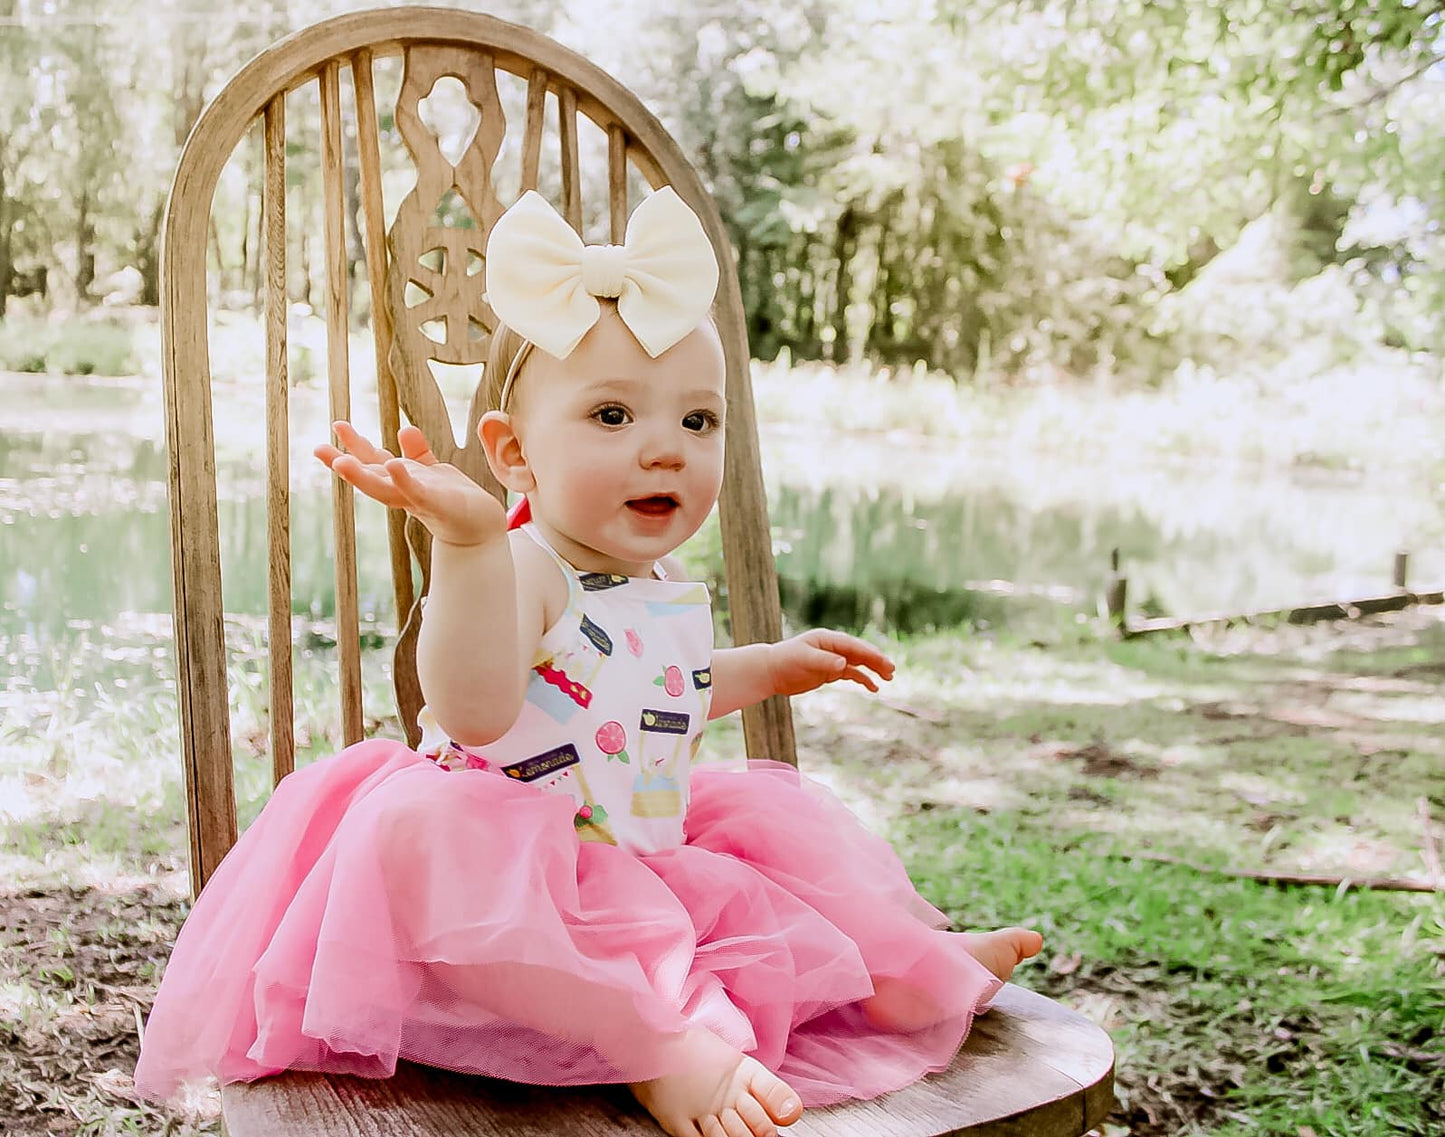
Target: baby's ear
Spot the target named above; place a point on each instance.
(504, 452)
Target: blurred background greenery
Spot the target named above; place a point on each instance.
(1007, 190)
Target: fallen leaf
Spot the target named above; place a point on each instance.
(115, 1082)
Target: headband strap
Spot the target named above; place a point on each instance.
(513, 371)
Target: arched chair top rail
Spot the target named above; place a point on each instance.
(185, 359)
(299, 57)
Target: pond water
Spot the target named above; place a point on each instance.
(894, 531)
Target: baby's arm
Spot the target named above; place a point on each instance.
(742, 676)
(482, 619)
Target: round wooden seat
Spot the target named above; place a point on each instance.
(1030, 1068)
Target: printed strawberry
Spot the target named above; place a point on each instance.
(589, 814)
(611, 739)
(670, 681)
(634, 642)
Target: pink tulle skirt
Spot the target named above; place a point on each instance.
(382, 908)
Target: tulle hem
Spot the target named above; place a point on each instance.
(382, 908)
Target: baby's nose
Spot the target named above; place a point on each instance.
(662, 448)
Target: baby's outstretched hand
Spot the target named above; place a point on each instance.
(806, 662)
(436, 493)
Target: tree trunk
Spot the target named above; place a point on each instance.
(883, 335)
(84, 248)
(188, 86)
(217, 254)
(7, 244)
(147, 256)
(253, 219)
(304, 231)
(844, 245)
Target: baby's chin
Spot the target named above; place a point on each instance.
(640, 551)
(619, 557)
(628, 543)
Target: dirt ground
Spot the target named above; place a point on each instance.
(78, 965)
(65, 1067)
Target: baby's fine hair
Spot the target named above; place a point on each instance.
(507, 344)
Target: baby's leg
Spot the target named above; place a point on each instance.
(719, 1093)
(897, 1005)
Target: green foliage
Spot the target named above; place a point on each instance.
(69, 347)
(1012, 190)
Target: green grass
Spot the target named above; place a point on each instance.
(1016, 778)
(1263, 1009)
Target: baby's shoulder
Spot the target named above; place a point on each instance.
(539, 577)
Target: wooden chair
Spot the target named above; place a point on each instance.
(1029, 1066)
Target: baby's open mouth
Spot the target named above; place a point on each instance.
(659, 505)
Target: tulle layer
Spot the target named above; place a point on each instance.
(383, 908)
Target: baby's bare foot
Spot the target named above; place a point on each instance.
(899, 1006)
(1003, 950)
(720, 1093)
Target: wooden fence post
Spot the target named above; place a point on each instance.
(1116, 593)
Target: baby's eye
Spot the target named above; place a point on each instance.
(612, 416)
(700, 422)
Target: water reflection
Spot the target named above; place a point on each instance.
(866, 531)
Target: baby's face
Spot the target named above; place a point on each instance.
(626, 450)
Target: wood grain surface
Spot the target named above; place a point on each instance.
(1029, 1068)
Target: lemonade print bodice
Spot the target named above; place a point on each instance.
(616, 704)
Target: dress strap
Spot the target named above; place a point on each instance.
(570, 572)
(574, 586)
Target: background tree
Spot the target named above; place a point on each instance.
(1004, 189)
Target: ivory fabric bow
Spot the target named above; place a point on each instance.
(542, 280)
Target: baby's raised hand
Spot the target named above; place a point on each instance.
(436, 493)
(806, 662)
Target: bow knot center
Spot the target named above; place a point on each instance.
(603, 269)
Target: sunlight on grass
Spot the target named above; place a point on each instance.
(1016, 780)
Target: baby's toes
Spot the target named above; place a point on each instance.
(727, 1123)
(752, 1112)
(777, 1098)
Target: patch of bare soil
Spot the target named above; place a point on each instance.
(1101, 761)
(77, 970)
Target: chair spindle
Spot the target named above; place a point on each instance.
(348, 630)
(278, 460)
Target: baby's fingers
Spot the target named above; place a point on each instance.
(358, 444)
(866, 655)
(860, 676)
(403, 474)
(858, 653)
(414, 445)
(327, 453)
(370, 480)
